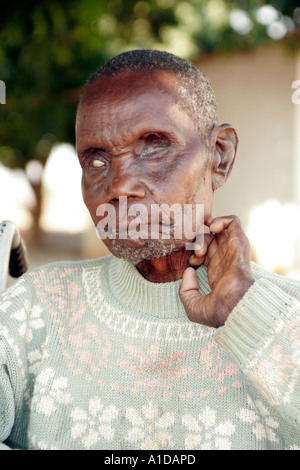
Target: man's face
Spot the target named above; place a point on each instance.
(134, 141)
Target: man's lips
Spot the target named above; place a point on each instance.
(126, 226)
(147, 227)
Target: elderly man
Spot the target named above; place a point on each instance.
(156, 346)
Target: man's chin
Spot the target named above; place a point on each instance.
(136, 251)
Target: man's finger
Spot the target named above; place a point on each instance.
(212, 249)
(190, 295)
(229, 222)
(200, 248)
(208, 220)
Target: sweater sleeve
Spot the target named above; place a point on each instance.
(7, 407)
(15, 306)
(262, 333)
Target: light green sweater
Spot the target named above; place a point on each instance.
(93, 356)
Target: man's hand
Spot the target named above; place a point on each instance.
(227, 258)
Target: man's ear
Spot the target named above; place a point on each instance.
(224, 141)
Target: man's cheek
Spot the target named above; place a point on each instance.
(90, 203)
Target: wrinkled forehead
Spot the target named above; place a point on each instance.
(130, 85)
(123, 109)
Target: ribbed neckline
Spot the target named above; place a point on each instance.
(133, 291)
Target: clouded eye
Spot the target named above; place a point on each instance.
(96, 163)
(151, 144)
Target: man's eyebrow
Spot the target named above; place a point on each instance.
(168, 133)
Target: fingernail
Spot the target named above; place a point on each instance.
(197, 247)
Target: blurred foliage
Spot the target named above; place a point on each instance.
(49, 49)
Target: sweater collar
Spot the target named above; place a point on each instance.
(160, 300)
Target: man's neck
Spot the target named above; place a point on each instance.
(167, 269)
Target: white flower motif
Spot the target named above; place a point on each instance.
(149, 428)
(14, 291)
(35, 443)
(35, 358)
(256, 414)
(28, 323)
(4, 306)
(50, 392)
(205, 433)
(95, 424)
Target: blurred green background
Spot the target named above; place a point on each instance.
(49, 49)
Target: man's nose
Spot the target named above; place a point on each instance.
(125, 183)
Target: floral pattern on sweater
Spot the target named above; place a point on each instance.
(83, 366)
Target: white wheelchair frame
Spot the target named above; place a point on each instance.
(13, 254)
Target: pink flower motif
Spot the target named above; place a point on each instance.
(84, 346)
(155, 364)
(213, 366)
(292, 328)
(88, 348)
(273, 378)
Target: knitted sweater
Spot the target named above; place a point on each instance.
(93, 356)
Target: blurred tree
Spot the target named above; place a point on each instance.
(48, 50)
